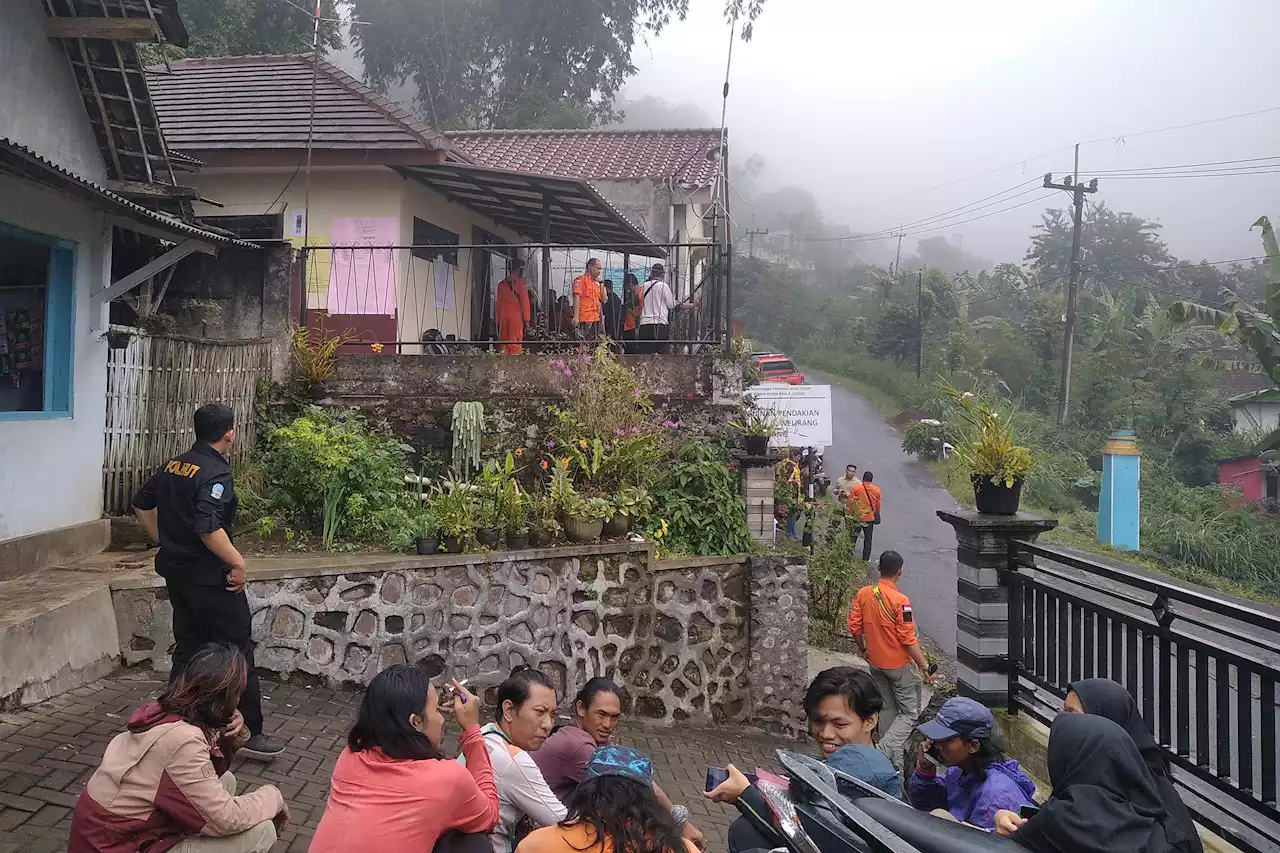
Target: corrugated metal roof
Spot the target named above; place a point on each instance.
(21, 162)
(1239, 382)
(264, 103)
(688, 156)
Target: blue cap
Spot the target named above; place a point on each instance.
(621, 761)
(960, 717)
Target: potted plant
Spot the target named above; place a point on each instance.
(629, 503)
(513, 513)
(203, 311)
(997, 465)
(452, 504)
(757, 426)
(584, 517)
(544, 526)
(428, 541)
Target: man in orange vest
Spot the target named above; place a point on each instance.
(512, 308)
(864, 511)
(884, 627)
(587, 297)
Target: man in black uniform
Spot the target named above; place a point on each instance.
(189, 507)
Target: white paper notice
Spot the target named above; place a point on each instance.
(444, 283)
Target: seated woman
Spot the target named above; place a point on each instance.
(1105, 698)
(563, 759)
(843, 705)
(164, 784)
(525, 713)
(979, 780)
(1104, 799)
(613, 811)
(393, 789)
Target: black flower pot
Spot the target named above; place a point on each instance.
(428, 545)
(994, 497)
(517, 541)
(540, 537)
(757, 445)
(453, 544)
(616, 526)
(489, 536)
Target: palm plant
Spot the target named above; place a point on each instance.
(1256, 328)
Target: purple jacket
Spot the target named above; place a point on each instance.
(1006, 787)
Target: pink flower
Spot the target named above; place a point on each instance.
(559, 362)
(636, 430)
(551, 444)
(638, 394)
(669, 424)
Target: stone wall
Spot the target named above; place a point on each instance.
(681, 635)
(412, 396)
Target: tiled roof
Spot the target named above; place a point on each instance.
(264, 103)
(688, 156)
(21, 162)
(1237, 382)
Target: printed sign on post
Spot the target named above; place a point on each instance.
(804, 412)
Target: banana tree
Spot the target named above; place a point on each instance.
(1257, 329)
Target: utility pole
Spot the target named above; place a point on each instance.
(897, 256)
(919, 324)
(751, 240)
(1078, 190)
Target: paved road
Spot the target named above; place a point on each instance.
(912, 497)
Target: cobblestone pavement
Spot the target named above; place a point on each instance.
(47, 753)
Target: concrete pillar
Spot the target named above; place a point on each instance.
(1119, 503)
(982, 598)
(757, 491)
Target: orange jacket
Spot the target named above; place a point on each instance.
(887, 622)
(864, 501)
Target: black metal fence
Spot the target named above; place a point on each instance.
(1202, 666)
(444, 299)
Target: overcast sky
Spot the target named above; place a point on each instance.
(868, 104)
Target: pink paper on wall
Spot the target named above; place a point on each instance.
(362, 279)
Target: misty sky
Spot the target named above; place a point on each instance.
(866, 102)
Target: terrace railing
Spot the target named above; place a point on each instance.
(1202, 666)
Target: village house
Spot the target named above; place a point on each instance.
(665, 181)
(90, 209)
(377, 178)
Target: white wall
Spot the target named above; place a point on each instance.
(1252, 416)
(51, 469)
(40, 106)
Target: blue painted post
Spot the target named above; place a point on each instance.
(1118, 505)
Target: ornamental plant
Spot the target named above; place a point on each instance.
(986, 446)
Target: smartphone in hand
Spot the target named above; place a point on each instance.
(1028, 812)
(715, 777)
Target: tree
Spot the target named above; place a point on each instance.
(240, 27)
(1114, 247)
(1256, 328)
(483, 64)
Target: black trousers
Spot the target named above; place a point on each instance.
(865, 530)
(463, 842)
(653, 337)
(212, 614)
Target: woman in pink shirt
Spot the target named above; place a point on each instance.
(393, 791)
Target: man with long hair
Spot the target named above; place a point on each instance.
(163, 784)
(189, 507)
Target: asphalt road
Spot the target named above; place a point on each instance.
(909, 523)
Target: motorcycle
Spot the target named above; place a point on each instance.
(822, 810)
(816, 479)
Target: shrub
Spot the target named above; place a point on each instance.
(697, 497)
(924, 438)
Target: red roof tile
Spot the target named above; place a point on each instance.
(687, 156)
(264, 102)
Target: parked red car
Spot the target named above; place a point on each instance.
(776, 367)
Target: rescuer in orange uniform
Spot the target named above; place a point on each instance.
(864, 510)
(884, 626)
(514, 314)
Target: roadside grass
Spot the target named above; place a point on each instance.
(1076, 529)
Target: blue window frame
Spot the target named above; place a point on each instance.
(37, 325)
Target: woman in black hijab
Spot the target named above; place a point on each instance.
(1102, 697)
(1104, 799)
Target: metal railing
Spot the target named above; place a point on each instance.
(442, 299)
(1202, 666)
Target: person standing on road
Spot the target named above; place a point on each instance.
(844, 485)
(883, 625)
(864, 507)
(189, 507)
(587, 298)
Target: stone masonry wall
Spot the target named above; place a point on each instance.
(678, 634)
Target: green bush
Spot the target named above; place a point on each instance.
(924, 438)
(326, 472)
(697, 495)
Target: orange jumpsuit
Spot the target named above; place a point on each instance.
(513, 313)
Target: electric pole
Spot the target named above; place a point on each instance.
(919, 324)
(897, 256)
(751, 240)
(1071, 184)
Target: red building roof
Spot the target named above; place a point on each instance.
(687, 156)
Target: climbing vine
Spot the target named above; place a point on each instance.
(468, 426)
